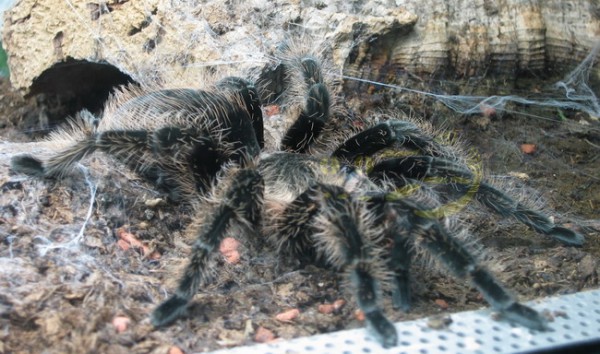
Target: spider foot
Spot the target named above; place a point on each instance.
(27, 165)
(567, 236)
(382, 329)
(169, 311)
(525, 316)
(401, 296)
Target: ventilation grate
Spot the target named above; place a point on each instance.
(576, 321)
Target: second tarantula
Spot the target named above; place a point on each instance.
(363, 207)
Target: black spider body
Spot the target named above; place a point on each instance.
(363, 207)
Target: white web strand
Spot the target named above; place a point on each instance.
(75, 241)
(575, 84)
(577, 94)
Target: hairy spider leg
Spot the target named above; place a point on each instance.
(250, 97)
(400, 253)
(128, 144)
(433, 236)
(160, 156)
(240, 122)
(411, 168)
(385, 135)
(462, 181)
(183, 152)
(506, 206)
(240, 207)
(326, 225)
(312, 119)
(399, 263)
(293, 235)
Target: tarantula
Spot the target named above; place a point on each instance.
(363, 207)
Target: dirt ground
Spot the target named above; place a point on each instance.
(68, 283)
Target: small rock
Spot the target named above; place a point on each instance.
(528, 148)
(264, 335)
(287, 316)
(121, 323)
(175, 350)
(439, 322)
(442, 304)
(153, 203)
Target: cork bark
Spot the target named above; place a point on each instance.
(166, 41)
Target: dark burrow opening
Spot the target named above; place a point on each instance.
(68, 87)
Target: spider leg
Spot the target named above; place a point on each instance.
(240, 206)
(122, 143)
(464, 182)
(163, 155)
(385, 135)
(309, 125)
(250, 97)
(336, 229)
(293, 235)
(506, 206)
(399, 263)
(438, 240)
(183, 153)
(400, 254)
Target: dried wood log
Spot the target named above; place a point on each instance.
(367, 38)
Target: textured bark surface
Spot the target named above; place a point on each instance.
(166, 40)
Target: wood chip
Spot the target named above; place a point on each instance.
(152, 203)
(520, 175)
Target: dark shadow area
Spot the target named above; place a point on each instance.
(68, 87)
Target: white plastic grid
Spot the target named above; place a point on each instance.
(576, 320)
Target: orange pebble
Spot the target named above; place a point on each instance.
(333, 307)
(175, 350)
(264, 335)
(124, 245)
(487, 111)
(155, 255)
(442, 304)
(228, 249)
(121, 323)
(326, 308)
(127, 240)
(272, 110)
(338, 304)
(359, 315)
(528, 148)
(287, 316)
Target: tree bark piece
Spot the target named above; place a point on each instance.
(168, 41)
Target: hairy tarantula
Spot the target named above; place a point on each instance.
(363, 207)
